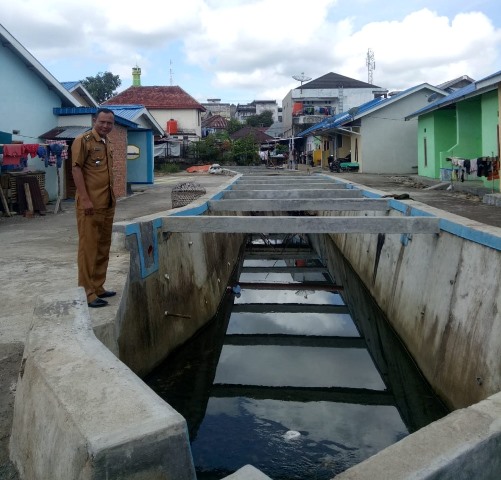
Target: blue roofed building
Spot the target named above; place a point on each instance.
(135, 130)
(459, 133)
(374, 133)
(81, 94)
(29, 95)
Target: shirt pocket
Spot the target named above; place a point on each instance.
(98, 157)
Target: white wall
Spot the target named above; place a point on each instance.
(268, 106)
(187, 119)
(388, 143)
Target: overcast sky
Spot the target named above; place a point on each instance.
(244, 50)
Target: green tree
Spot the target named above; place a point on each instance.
(244, 151)
(234, 126)
(264, 119)
(211, 149)
(102, 87)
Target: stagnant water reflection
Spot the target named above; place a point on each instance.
(282, 378)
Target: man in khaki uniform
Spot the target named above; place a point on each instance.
(92, 169)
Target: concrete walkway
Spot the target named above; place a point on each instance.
(39, 257)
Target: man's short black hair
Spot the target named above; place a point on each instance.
(103, 110)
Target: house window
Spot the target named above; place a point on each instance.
(425, 153)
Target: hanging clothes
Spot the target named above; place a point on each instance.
(494, 175)
(483, 167)
(58, 152)
(30, 149)
(12, 154)
(43, 154)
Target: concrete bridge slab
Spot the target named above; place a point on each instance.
(375, 224)
(288, 181)
(296, 204)
(287, 185)
(300, 193)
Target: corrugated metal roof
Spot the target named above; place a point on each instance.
(453, 97)
(69, 85)
(130, 112)
(442, 102)
(64, 133)
(91, 111)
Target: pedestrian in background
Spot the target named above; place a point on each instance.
(92, 169)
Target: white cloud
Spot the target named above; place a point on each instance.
(425, 47)
(255, 46)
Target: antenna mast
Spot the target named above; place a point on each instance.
(171, 73)
(371, 65)
(301, 78)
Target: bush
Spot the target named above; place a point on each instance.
(167, 168)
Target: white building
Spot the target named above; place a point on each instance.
(325, 96)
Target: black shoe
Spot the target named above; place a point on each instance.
(107, 293)
(98, 302)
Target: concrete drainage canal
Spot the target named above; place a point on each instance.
(298, 374)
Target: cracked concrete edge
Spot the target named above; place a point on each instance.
(464, 444)
(72, 397)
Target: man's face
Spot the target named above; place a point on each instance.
(104, 123)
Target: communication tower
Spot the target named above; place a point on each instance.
(371, 65)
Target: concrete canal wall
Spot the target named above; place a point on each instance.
(175, 284)
(441, 293)
(81, 412)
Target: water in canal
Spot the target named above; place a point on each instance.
(286, 378)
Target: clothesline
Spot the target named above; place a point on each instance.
(482, 166)
(52, 152)
(35, 143)
(485, 159)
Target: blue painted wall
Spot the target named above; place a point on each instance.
(140, 170)
(26, 105)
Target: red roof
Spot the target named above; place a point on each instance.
(255, 132)
(215, 121)
(156, 97)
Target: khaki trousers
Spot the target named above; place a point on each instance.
(94, 241)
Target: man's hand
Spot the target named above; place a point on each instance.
(88, 207)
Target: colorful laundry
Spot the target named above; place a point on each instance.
(30, 149)
(12, 154)
(58, 152)
(43, 153)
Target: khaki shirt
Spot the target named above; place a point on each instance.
(95, 157)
